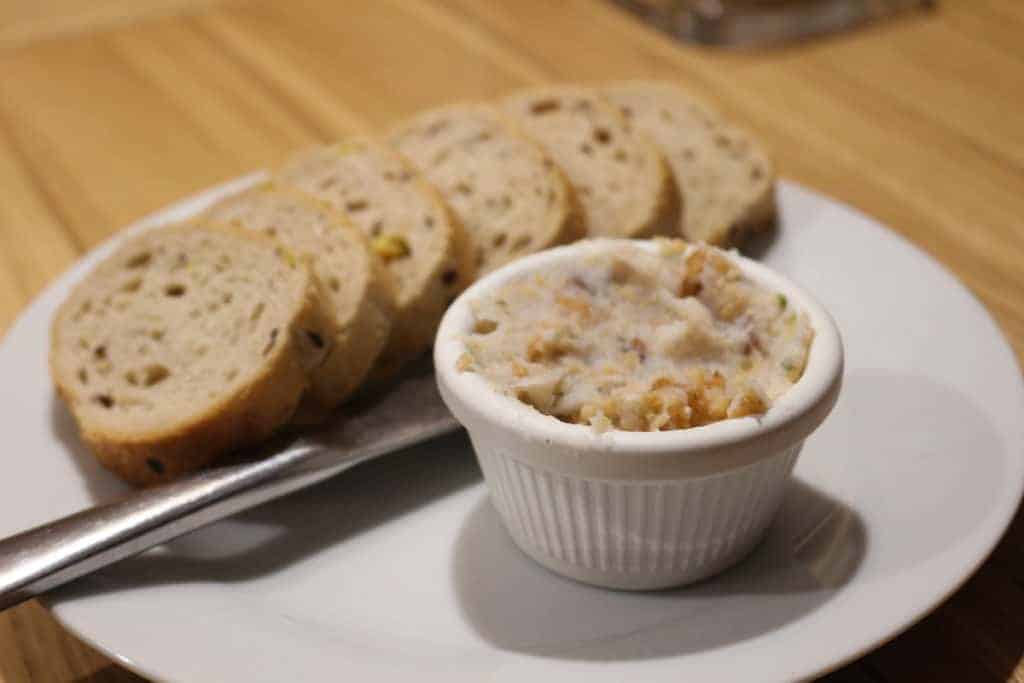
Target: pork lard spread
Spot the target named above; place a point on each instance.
(639, 340)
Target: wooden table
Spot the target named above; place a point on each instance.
(110, 109)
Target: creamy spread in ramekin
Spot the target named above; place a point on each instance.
(640, 339)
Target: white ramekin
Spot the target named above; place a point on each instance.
(635, 510)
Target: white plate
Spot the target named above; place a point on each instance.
(401, 569)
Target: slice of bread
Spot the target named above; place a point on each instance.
(725, 175)
(187, 343)
(408, 225)
(623, 184)
(506, 192)
(354, 288)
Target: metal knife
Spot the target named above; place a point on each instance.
(409, 411)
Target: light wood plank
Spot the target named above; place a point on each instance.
(13, 660)
(33, 242)
(48, 654)
(45, 653)
(289, 82)
(320, 57)
(26, 21)
(119, 125)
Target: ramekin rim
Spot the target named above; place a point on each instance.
(818, 383)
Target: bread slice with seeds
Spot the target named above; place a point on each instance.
(186, 343)
(409, 227)
(506, 192)
(354, 288)
(623, 184)
(726, 176)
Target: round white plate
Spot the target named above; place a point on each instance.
(400, 569)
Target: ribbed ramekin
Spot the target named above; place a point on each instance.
(635, 510)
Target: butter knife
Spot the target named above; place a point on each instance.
(408, 412)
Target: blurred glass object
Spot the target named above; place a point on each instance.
(761, 22)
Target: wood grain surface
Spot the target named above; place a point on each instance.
(111, 109)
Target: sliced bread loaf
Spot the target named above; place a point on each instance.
(623, 184)
(725, 175)
(408, 225)
(354, 288)
(185, 344)
(505, 191)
